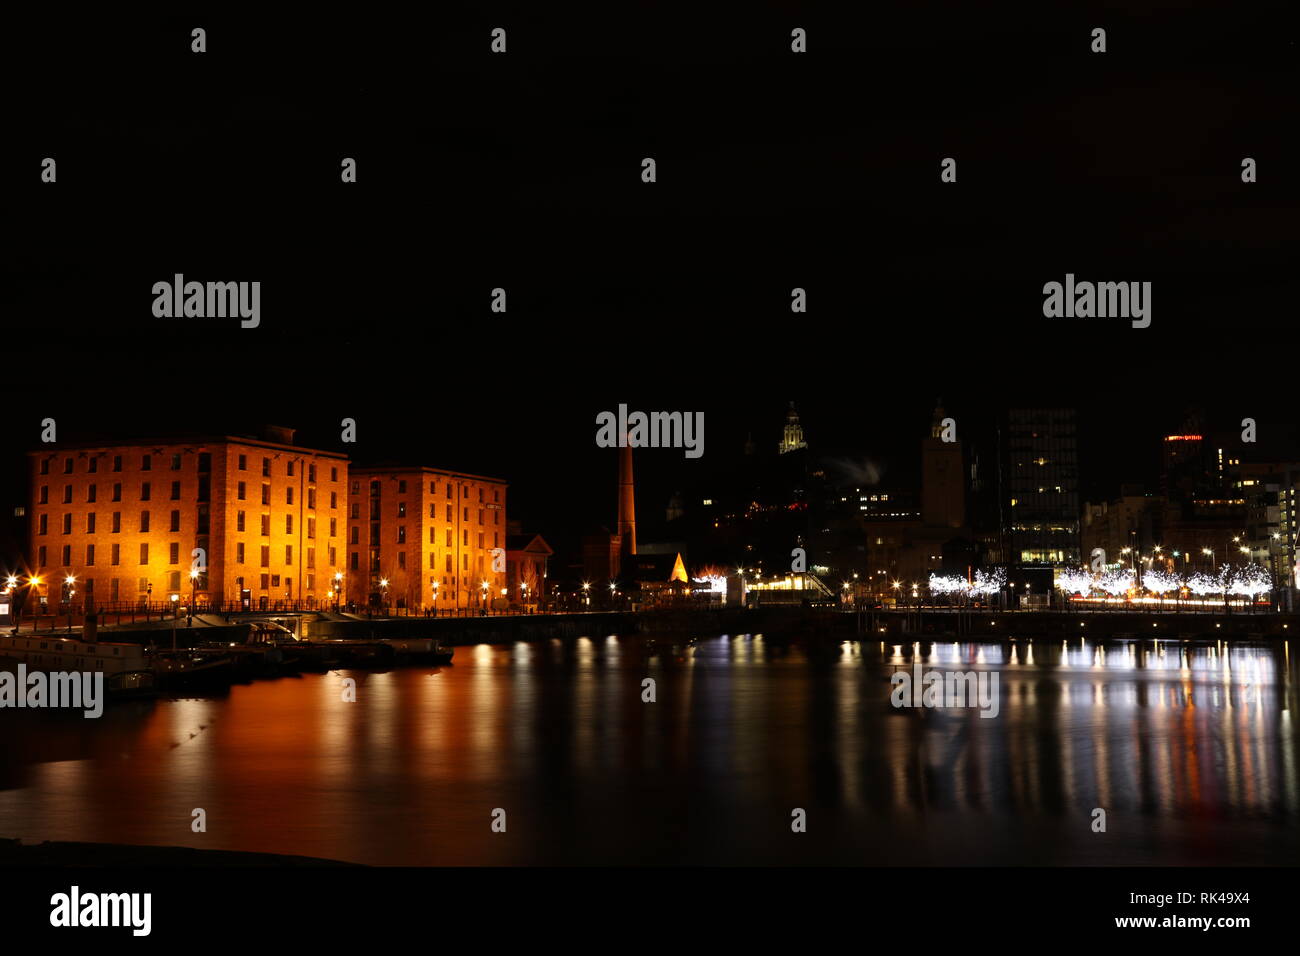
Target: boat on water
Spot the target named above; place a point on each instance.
(127, 668)
(189, 669)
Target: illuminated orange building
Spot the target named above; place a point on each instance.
(125, 520)
(416, 531)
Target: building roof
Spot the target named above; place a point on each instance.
(533, 543)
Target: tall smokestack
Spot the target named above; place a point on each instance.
(626, 500)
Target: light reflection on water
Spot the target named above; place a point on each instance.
(1189, 748)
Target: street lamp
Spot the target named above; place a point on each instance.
(586, 593)
(338, 590)
(1213, 560)
(68, 585)
(485, 598)
(435, 598)
(194, 583)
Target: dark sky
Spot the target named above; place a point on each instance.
(775, 171)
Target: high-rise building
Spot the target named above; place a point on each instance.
(414, 532)
(1040, 487)
(219, 519)
(792, 435)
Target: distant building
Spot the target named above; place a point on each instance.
(792, 435)
(1039, 482)
(259, 520)
(413, 528)
(526, 567)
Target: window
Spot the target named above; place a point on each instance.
(480, 539)
(67, 556)
(43, 525)
(334, 525)
(67, 523)
(67, 494)
(266, 555)
(173, 580)
(334, 499)
(117, 466)
(239, 521)
(401, 487)
(45, 495)
(290, 468)
(266, 580)
(176, 462)
(92, 466)
(352, 561)
(449, 537)
(333, 556)
(433, 510)
(288, 496)
(176, 491)
(401, 533)
(144, 553)
(239, 552)
(266, 494)
(117, 522)
(205, 465)
(144, 491)
(311, 472)
(90, 523)
(241, 491)
(334, 474)
(288, 554)
(90, 554)
(91, 494)
(266, 467)
(173, 553)
(448, 512)
(311, 527)
(176, 521)
(146, 463)
(311, 498)
(480, 516)
(401, 559)
(433, 535)
(266, 525)
(117, 491)
(243, 463)
(356, 510)
(311, 557)
(288, 524)
(45, 467)
(67, 466)
(465, 538)
(354, 535)
(401, 507)
(144, 522)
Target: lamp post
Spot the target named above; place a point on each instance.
(484, 609)
(383, 596)
(586, 594)
(194, 584)
(68, 584)
(1214, 566)
(435, 599)
(338, 590)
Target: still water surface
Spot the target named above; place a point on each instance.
(1190, 750)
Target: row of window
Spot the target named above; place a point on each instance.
(354, 561)
(376, 486)
(174, 555)
(204, 465)
(146, 492)
(146, 463)
(42, 524)
(174, 585)
(354, 536)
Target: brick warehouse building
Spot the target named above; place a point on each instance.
(124, 519)
(411, 528)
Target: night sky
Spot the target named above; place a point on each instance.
(774, 171)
